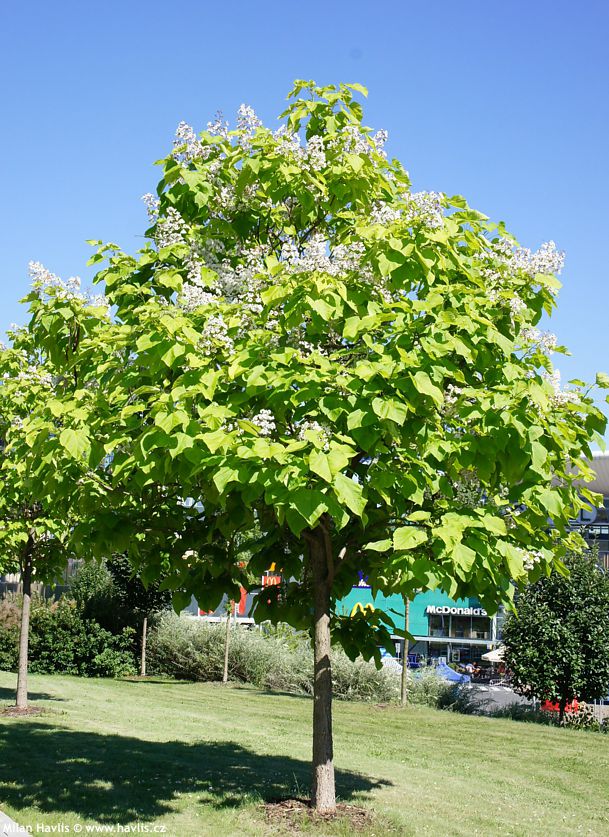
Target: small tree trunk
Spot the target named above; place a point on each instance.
(24, 635)
(323, 794)
(404, 683)
(561, 710)
(226, 643)
(143, 655)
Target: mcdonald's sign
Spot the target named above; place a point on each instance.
(358, 607)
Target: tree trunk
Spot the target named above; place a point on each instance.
(227, 643)
(24, 635)
(323, 793)
(404, 683)
(144, 639)
(561, 710)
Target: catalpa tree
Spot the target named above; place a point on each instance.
(309, 350)
(35, 532)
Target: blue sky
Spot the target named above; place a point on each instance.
(505, 103)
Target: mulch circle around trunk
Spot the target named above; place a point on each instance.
(14, 712)
(291, 813)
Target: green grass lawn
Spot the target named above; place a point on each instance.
(199, 759)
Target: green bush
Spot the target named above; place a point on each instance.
(457, 697)
(10, 614)
(426, 687)
(9, 638)
(97, 599)
(63, 642)
(275, 659)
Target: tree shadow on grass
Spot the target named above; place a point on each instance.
(9, 694)
(115, 779)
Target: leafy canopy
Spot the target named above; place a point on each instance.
(557, 644)
(304, 343)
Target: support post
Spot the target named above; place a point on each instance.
(404, 679)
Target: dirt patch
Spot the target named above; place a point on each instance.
(14, 712)
(292, 813)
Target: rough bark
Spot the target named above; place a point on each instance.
(323, 793)
(226, 643)
(404, 682)
(144, 640)
(24, 634)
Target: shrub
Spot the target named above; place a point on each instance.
(10, 615)
(426, 687)
(9, 638)
(63, 642)
(272, 658)
(457, 697)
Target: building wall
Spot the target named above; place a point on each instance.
(418, 618)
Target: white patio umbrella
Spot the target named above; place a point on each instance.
(494, 656)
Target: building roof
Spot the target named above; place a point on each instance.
(600, 464)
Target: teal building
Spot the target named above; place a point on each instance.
(454, 630)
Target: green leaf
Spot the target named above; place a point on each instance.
(389, 408)
(379, 546)
(358, 87)
(309, 504)
(76, 442)
(602, 380)
(349, 493)
(174, 352)
(223, 476)
(319, 464)
(464, 557)
(425, 386)
(408, 537)
(513, 558)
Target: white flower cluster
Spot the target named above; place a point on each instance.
(316, 256)
(152, 204)
(384, 214)
(187, 146)
(315, 427)
(215, 334)
(247, 119)
(468, 490)
(544, 341)
(171, 229)
(352, 140)
(516, 305)
(43, 279)
(548, 259)
(312, 156)
(451, 396)
(379, 140)
(288, 141)
(194, 296)
(32, 374)
(247, 123)
(241, 283)
(530, 558)
(315, 153)
(265, 422)
(560, 397)
(219, 127)
(425, 208)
